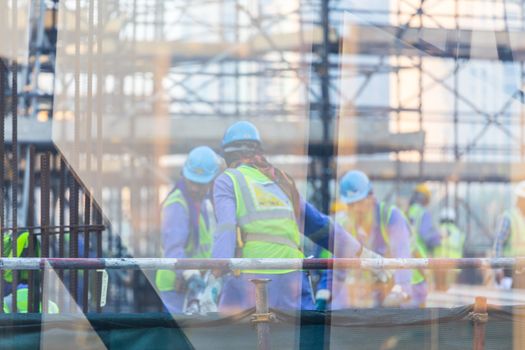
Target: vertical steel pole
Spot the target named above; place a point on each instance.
(73, 239)
(32, 302)
(328, 146)
(44, 217)
(61, 223)
(98, 278)
(14, 180)
(87, 221)
(3, 86)
(262, 316)
(480, 318)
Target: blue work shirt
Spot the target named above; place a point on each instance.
(284, 290)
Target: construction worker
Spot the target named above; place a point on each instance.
(421, 218)
(260, 214)
(385, 230)
(452, 241)
(22, 251)
(22, 301)
(187, 224)
(510, 240)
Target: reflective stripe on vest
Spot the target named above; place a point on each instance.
(516, 242)
(166, 279)
(415, 247)
(267, 221)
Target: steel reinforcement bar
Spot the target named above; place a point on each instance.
(257, 264)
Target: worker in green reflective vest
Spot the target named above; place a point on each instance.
(22, 251)
(187, 224)
(260, 214)
(510, 240)
(22, 301)
(421, 218)
(452, 241)
(385, 230)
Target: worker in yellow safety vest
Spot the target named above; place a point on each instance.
(384, 229)
(452, 241)
(21, 251)
(421, 218)
(22, 301)
(260, 214)
(510, 240)
(187, 226)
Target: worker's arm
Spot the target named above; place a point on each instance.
(175, 230)
(502, 236)
(224, 240)
(324, 232)
(399, 234)
(428, 231)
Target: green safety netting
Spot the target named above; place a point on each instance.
(432, 328)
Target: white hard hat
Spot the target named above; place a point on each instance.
(520, 190)
(447, 214)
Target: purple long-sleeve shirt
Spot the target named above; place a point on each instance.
(285, 290)
(502, 236)
(399, 246)
(427, 230)
(175, 228)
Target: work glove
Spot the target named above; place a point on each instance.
(321, 299)
(381, 275)
(194, 281)
(210, 296)
(396, 297)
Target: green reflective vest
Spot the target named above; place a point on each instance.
(385, 213)
(22, 297)
(515, 245)
(452, 244)
(267, 221)
(22, 249)
(165, 279)
(415, 216)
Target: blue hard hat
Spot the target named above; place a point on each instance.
(354, 186)
(201, 166)
(241, 131)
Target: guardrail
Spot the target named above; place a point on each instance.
(257, 264)
(263, 317)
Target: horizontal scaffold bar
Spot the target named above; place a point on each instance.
(256, 264)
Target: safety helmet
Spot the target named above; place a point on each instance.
(201, 166)
(240, 131)
(424, 190)
(447, 214)
(354, 186)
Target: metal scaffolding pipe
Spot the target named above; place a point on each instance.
(256, 264)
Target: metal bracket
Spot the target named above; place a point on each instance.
(477, 317)
(263, 318)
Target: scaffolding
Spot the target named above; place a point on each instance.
(216, 69)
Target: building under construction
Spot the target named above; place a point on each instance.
(101, 101)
